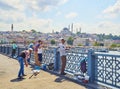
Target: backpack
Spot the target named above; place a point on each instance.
(83, 65)
(51, 66)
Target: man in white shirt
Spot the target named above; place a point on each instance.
(62, 50)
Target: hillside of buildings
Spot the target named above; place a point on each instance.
(75, 39)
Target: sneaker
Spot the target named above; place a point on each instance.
(24, 75)
(20, 77)
(63, 73)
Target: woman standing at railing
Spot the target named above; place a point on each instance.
(36, 52)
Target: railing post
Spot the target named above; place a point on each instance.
(0, 48)
(91, 65)
(4, 49)
(18, 51)
(56, 60)
(7, 50)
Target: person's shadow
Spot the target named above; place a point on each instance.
(59, 79)
(16, 80)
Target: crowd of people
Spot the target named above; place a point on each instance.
(37, 48)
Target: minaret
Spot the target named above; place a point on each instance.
(80, 29)
(12, 27)
(76, 30)
(69, 27)
(52, 31)
(72, 28)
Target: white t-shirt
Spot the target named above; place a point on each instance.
(39, 50)
(62, 49)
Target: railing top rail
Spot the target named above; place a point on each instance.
(77, 52)
(106, 54)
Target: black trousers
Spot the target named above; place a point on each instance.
(13, 52)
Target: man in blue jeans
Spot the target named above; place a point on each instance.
(21, 60)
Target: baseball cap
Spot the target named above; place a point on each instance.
(30, 49)
(62, 39)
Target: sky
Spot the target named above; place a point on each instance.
(91, 16)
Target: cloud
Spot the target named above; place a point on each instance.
(42, 25)
(35, 5)
(16, 10)
(58, 13)
(11, 16)
(71, 15)
(62, 2)
(12, 11)
(4, 27)
(106, 27)
(112, 11)
(43, 5)
(38, 23)
(5, 6)
(14, 4)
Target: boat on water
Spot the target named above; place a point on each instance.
(106, 50)
(103, 50)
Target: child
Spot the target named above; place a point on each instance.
(22, 60)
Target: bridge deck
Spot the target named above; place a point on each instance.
(8, 78)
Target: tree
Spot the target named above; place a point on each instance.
(2, 42)
(96, 44)
(53, 42)
(33, 31)
(80, 44)
(113, 46)
(70, 41)
(110, 36)
(78, 33)
(23, 30)
(118, 45)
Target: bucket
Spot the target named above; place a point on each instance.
(37, 68)
(86, 77)
(44, 67)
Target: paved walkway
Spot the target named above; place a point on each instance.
(8, 78)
